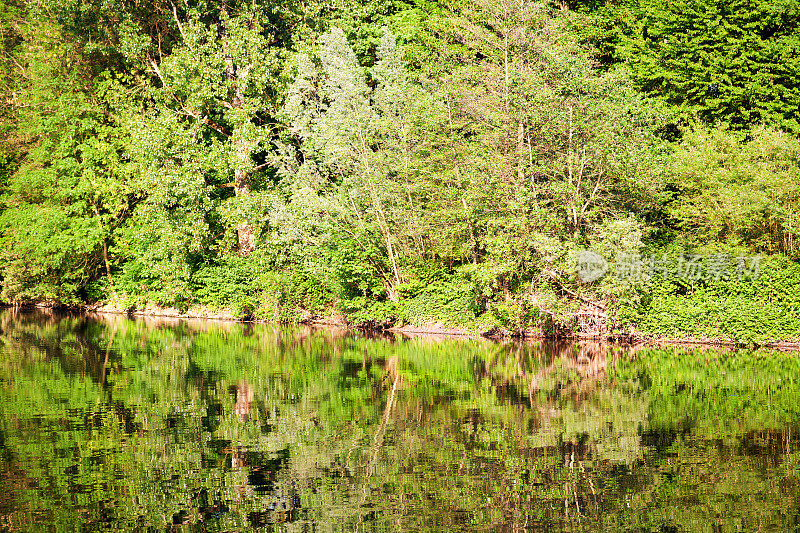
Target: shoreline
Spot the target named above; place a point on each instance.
(433, 329)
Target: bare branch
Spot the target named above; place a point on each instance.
(214, 126)
(16, 63)
(178, 22)
(572, 293)
(594, 192)
(158, 72)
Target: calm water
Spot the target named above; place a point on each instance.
(118, 424)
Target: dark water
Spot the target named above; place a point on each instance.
(117, 424)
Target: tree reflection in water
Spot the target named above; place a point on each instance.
(136, 424)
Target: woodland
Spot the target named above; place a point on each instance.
(407, 162)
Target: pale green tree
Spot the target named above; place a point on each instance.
(552, 147)
(740, 193)
(362, 147)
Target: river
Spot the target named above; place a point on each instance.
(112, 423)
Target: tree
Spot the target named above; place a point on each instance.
(363, 146)
(220, 86)
(743, 194)
(550, 146)
(69, 193)
(733, 62)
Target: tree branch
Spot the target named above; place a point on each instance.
(158, 72)
(554, 277)
(178, 22)
(214, 126)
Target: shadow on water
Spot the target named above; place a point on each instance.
(123, 424)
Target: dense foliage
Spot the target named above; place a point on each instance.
(402, 162)
(733, 61)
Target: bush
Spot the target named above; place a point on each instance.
(758, 310)
(435, 295)
(252, 291)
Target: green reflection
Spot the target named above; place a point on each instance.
(139, 424)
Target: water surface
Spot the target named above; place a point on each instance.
(120, 424)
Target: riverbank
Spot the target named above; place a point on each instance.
(632, 337)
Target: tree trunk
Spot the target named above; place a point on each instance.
(247, 238)
(243, 164)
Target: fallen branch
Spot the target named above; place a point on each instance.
(554, 277)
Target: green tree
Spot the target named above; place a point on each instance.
(550, 148)
(70, 191)
(363, 151)
(741, 194)
(734, 62)
(218, 88)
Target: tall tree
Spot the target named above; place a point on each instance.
(741, 194)
(735, 62)
(220, 86)
(66, 199)
(551, 146)
(376, 148)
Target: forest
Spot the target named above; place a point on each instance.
(408, 162)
